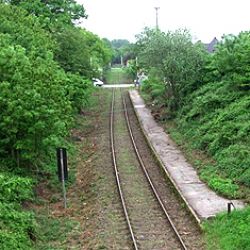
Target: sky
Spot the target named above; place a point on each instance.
(123, 19)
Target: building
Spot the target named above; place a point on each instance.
(210, 47)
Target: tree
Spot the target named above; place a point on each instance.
(173, 61)
(121, 51)
(80, 51)
(230, 63)
(52, 12)
(35, 109)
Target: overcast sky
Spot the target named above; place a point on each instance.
(123, 19)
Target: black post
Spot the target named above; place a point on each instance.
(62, 164)
(62, 170)
(229, 207)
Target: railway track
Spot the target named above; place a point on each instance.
(148, 221)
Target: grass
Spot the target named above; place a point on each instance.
(53, 232)
(117, 76)
(206, 166)
(57, 228)
(229, 232)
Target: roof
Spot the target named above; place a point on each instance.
(211, 46)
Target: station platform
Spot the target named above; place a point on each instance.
(201, 201)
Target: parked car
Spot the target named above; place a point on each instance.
(97, 82)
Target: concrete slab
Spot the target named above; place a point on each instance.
(202, 202)
(117, 85)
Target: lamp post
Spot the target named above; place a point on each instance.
(156, 17)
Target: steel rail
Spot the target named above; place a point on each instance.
(118, 182)
(148, 177)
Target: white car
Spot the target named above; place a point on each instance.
(97, 82)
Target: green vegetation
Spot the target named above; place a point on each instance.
(122, 51)
(229, 232)
(52, 232)
(17, 227)
(174, 65)
(212, 114)
(216, 117)
(46, 66)
(204, 101)
(118, 76)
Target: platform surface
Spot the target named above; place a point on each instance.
(201, 200)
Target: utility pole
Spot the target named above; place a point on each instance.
(156, 16)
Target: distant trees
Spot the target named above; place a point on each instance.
(80, 51)
(122, 50)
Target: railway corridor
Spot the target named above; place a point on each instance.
(150, 227)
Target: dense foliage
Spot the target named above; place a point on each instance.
(46, 64)
(174, 65)
(17, 227)
(219, 111)
(35, 109)
(53, 13)
(122, 51)
(80, 51)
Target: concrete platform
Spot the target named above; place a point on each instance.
(118, 85)
(202, 202)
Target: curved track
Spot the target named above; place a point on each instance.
(161, 215)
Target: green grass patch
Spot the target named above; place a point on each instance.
(229, 232)
(52, 232)
(223, 186)
(117, 76)
(55, 232)
(216, 121)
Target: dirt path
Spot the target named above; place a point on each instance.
(105, 226)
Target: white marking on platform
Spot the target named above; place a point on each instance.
(140, 106)
(118, 85)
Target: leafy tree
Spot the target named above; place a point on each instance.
(175, 60)
(80, 51)
(35, 110)
(119, 43)
(231, 62)
(77, 50)
(122, 51)
(38, 99)
(216, 116)
(52, 11)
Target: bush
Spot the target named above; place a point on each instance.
(15, 188)
(17, 228)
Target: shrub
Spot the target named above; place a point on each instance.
(16, 227)
(15, 188)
